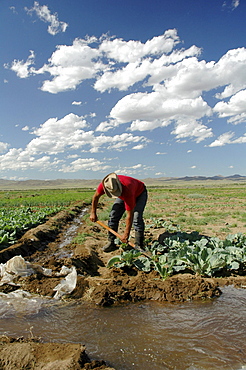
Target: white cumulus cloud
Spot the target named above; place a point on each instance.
(3, 147)
(69, 66)
(56, 144)
(21, 67)
(155, 106)
(45, 15)
(228, 138)
(191, 128)
(235, 107)
(223, 139)
(85, 164)
(76, 103)
(163, 85)
(25, 128)
(132, 51)
(19, 159)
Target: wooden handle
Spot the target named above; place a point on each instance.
(112, 231)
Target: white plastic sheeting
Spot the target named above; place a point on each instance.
(67, 285)
(17, 266)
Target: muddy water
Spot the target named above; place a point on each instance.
(193, 335)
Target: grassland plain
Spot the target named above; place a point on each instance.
(209, 210)
(212, 208)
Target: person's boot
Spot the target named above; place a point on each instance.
(110, 246)
(139, 239)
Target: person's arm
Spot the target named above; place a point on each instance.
(129, 219)
(95, 199)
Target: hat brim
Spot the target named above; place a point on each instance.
(116, 193)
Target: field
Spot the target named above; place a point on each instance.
(210, 219)
(43, 197)
(23, 210)
(213, 210)
(195, 243)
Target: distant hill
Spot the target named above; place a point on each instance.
(47, 184)
(77, 183)
(218, 177)
(195, 179)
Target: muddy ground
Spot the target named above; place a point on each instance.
(95, 284)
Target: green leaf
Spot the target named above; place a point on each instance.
(234, 266)
(113, 260)
(4, 240)
(143, 264)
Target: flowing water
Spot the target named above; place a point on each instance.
(69, 235)
(152, 336)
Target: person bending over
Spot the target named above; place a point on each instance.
(131, 196)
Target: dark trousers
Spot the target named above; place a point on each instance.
(118, 210)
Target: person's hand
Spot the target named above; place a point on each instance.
(124, 238)
(93, 217)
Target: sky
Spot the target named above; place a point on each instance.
(145, 88)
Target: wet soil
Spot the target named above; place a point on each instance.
(20, 353)
(96, 284)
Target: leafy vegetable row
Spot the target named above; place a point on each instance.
(14, 222)
(188, 252)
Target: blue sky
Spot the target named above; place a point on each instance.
(143, 88)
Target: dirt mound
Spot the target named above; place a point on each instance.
(32, 354)
(141, 286)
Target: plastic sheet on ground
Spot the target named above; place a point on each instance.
(64, 271)
(67, 285)
(17, 266)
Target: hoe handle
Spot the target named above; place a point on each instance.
(118, 236)
(112, 231)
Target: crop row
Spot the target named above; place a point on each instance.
(15, 221)
(184, 252)
(47, 198)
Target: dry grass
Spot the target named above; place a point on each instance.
(212, 211)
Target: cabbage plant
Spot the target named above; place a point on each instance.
(198, 254)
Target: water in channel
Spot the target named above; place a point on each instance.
(187, 336)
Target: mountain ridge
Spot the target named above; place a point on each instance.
(83, 183)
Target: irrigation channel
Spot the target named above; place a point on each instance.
(208, 334)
